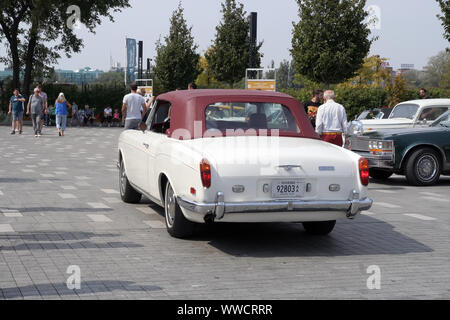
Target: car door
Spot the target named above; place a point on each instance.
(155, 139)
(136, 166)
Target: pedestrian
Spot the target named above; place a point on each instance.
(131, 108)
(107, 116)
(35, 108)
(192, 86)
(61, 106)
(46, 118)
(88, 116)
(16, 109)
(116, 117)
(312, 106)
(331, 121)
(423, 93)
(74, 114)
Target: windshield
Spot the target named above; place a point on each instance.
(404, 111)
(363, 115)
(250, 115)
(443, 121)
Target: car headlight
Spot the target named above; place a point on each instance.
(356, 128)
(381, 146)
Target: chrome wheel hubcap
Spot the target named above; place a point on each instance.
(170, 206)
(426, 167)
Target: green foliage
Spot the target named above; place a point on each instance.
(285, 75)
(110, 78)
(331, 39)
(356, 100)
(206, 80)
(229, 56)
(435, 74)
(177, 62)
(437, 69)
(372, 74)
(38, 31)
(97, 96)
(445, 17)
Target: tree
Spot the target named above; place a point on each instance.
(330, 41)
(436, 69)
(445, 18)
(39, 31)
(397, 92)
(205, 79)
(177, 60)
(372, 74)
(228, 58)
(110, 78)
(414, 78)
(285, 75)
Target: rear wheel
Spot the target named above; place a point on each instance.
(127, 192)
(423, 167)
(177, 225)
(379, 174)
(321, 228)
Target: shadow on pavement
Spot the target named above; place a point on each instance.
(17, 180)
(367, 236)
(87, 287)
(54, 240)
(57, 209)
(401, 181)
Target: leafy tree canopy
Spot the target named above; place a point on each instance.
(228, 58)
(445, 17)
(177, 60)
(39, 31)
(331, 39)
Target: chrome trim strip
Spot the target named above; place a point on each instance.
(152, 199)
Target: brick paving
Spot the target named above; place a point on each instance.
(59, 207)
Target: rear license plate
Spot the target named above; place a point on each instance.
(288, 189)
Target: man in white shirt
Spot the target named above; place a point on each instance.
(131, 108)
(331, 121)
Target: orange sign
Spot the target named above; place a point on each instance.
(148, 91)
(263, 85)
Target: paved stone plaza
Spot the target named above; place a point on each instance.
(60, 207)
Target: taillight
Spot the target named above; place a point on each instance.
(205, 173)
(364, 171)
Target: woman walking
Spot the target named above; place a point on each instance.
(61, 106)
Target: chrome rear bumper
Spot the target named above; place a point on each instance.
(220, 208)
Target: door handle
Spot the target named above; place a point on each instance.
(146, 145)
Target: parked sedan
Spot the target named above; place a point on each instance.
(408, 114)
(421, 154)
(239, 156)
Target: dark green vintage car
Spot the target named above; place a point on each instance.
(421, 154)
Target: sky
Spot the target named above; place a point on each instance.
(409, 30)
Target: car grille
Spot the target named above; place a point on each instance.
(360, 145)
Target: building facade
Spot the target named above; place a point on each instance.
(78, 77)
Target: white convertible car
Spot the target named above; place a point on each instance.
(239, 156)
(408, 114)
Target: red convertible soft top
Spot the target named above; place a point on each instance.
(188, 106)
